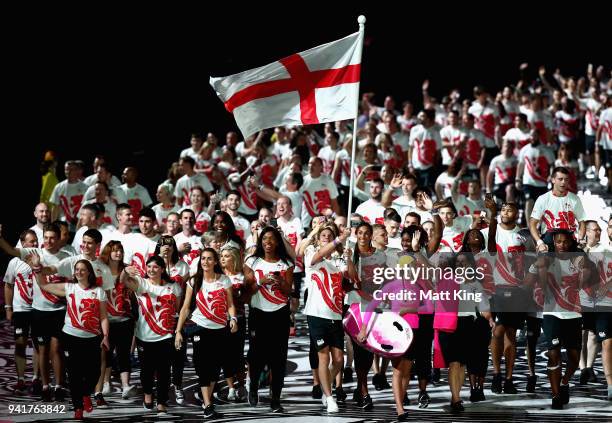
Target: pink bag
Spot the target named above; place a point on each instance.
(389, 335)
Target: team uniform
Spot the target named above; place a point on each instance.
(318, 193)
(20, 276)
(138, 198)
(186, 182)
(138, 248)
(68, 197)
(425, 143)
(452, 236)
(162, 212)
(371, 211)
(538, 161)
(504, 169)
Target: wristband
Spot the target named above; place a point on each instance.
(6, 306)
(234, 318)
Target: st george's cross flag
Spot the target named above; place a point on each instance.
(315, 86)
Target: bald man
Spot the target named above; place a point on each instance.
(42, 214)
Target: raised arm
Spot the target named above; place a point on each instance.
(492, 207)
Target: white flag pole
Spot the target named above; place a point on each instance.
(361, 20)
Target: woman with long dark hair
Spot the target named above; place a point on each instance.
(208, 299)
(268, 275)
(86, 320)
(158, 298)
(118, 306)
(222, 222)
(178, 271)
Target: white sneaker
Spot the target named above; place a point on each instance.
(127, 391)
(231, 394)
(332, 406)
(178, 394)
(324, 400)
(106, 389)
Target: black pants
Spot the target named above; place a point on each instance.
(178, 364)
(233, 362)
(209, 350)
(423, 349)
(83, 360)
(363, 358)
(478, 357)
(268, 344)
(155, 358)
(120, 340)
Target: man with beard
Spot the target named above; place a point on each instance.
(243, 228)
(424, 148)
(372, 210)
(42, 216)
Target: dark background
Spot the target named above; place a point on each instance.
(133, 86)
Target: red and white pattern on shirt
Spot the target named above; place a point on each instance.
(271, 293)
(136, 206)
(486, 123)
(179, 273)
(202, 222)
(290, 230)
(540, 170)
(466, 206)
(566, 293)
(473, 147)
(426, 151)
(605, 277)
(331, 289)
(213, 305)
(568, 125)
(84, 313)
(160, 317)
(321, 202)
(510, 265)
(118, 303)
(25, 287)
(505, 170)
(50, 297)
(451, 136)
(565, 220)
(248, 197)
(71, 206)
(328, 157)
(484, 262)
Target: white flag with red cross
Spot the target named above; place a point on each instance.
(315, 86)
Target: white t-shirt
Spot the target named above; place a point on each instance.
(485, 119)
(267, 297)
(196, 245)
(43, 300)
(372, 212)
(466, 206)
(605, 120)
(318, 193)
(473, 148)
(78, 237)
(110, 211)
(104, 276)
(189, 152)
(138, 248)
(518, 138)
(403, 205)
(211, 303)
(509, 261)
(69, 198)
(452, 236)
(93, 179)
(328, 156)
(425, 143)
(297, 199)
(83, 310)
(185, 183)
(504, 169)
(291, 230)
(567, 125)
(559, 212)
(138, 198)
(118, 305)
(161, 212)
(39, 236)
(248, 199)
(243, 227)
(116, 194)
(538, 161)
(345, 167)
(325, 293)
(562, 298)
(451, 135)
(157, 305)
(19, 274)
(591, 121)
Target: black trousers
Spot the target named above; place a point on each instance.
(209, 350)
(233, 362)
(268, 345)
(120, 340)
(155, 358)
(478, 357)
(423, 349)
(178, 364)
(83, 362)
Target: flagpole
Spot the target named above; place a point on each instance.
(361, 20)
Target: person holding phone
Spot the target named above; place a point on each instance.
(85, 329)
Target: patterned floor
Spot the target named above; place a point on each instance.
(588, 403)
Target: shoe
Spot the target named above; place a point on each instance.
(36, 387)
(403, 417)
(384, 384)
(496, 384)
(317, 392)
(127, 391)
(457, 406)
(87, 406)
(367, 403)
(357, 397)
(242, 394)
(148, 405)
(332, 406)
(476, 395)
(45, 395)
(340, 395)
(592, 375)
(531, 383)
(292, 331)
(276, 406)
(78, 414)
(209, 412)
(106, 389)
(376, 381)
(179, 396)
(253, 397)
(584, 376)
(19, 387)
(557, 404)
(423, 399)
(347, 375)
(100, 401)
(564, 394)
(509, 387)
(198, 396)
(231, 394)
(59, 393)
(162, 409)
(406, 400)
